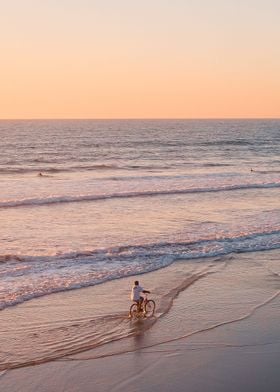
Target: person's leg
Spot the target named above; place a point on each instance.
(140, 303)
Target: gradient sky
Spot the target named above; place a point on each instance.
(139, 59)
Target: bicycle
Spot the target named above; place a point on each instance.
(147, 309)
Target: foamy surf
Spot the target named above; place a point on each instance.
(31, 277)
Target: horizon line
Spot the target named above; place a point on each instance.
(136, 118)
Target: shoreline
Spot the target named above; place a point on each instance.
(192, 335)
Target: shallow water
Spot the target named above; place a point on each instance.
(191, 298)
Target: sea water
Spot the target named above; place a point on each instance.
(85, 202)
(92, 203)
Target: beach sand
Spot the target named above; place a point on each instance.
(216, 329)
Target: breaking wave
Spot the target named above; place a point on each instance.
(74, 270)
(94, 197)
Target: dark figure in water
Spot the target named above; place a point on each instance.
(43, 175)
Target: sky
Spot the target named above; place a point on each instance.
(139, 59)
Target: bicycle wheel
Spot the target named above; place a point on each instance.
(150, 308)
(133, 311)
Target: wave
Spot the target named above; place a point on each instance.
(10, 257)
(46, 169)
(234, 142)
(27, 170)
(179, 249)
(216, 164)
(124, 195)
(30, 277)
(16, 169)
(267, 171)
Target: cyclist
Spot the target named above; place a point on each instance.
(135, 294)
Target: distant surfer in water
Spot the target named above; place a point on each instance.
(43, 175)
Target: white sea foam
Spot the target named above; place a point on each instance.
(81, 269)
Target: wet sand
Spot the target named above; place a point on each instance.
(216, 329)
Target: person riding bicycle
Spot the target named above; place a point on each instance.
(135, 294)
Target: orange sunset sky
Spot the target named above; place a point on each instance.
(147, 59)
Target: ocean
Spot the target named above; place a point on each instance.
(85, 202)
(192, 204)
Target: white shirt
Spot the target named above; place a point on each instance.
(135, 293)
